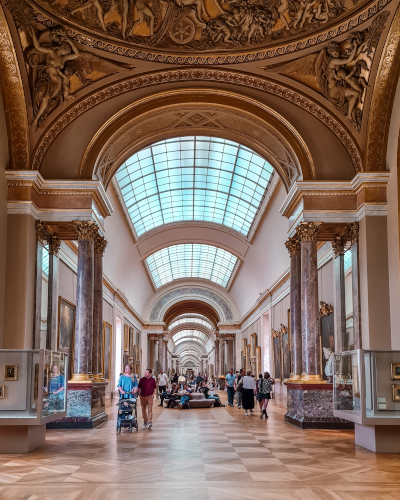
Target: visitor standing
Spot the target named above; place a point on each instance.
(162, 382)
(239, 388)
(198, 381)
(258, 391)
(181, 380)
(147, 390)
(265, 388)
(127, 384)
(175, 378)
(230, 382)
(248, 391)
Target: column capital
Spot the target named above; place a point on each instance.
(293, 246)
(86, 230)
(353, 230)
(338, 245)
(100, 244)
(54, 245)
(308, 231)
(41, 231)
(165, 341)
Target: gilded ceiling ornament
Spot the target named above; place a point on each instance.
(41, 232)
(352, 232)
(139, 28)
(86, 230)
(161, 77)
(293, 246)
(338, 246)
(14, 100)
(100, 244)
(308, 231)
(54, 245)
(341, 70)
(325, 309)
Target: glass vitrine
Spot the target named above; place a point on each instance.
(32, 386)
(367, 387)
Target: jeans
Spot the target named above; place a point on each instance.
(239, 398)
(161, 389)
(231, 394)
(184, 400)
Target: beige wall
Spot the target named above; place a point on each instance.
(122, 262)
(3, 214)
(266, 259)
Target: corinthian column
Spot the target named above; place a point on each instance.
(222, 354)
(338, 245)
(165, 355)
(308, 234)
(87, 232)
(217, 357)
(294, 249)
(160, 352)
(99, 248)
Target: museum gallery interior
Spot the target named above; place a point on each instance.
(196, 186)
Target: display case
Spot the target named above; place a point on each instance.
(32, 386)
(367, 387)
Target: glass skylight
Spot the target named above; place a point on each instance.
(347, 260)
(189, 339)
(194, 178)
(190, 320)
(45, 260)
(191, 261)
(194, 334)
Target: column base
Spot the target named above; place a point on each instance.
(379, 438)
(85, 407)
(21, 438)
(310, 406)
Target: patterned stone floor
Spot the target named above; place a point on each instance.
(216, 454)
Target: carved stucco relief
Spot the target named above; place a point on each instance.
(190, 293)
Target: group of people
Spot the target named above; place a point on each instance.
(247, 389)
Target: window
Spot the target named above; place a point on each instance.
(347, 260)
(190, 320)
(45, 260)
(194, 335)
(191, 261)
(194, 179)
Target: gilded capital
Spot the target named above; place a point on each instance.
(86, 230)
(308, 231)
(41, 231)
(100, 245)
(293, 246)
(325, 309)
(353, 230)
(54, 245)
(283, 329)
(338, 245)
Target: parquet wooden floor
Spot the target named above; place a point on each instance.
(216, 454)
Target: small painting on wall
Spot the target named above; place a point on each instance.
(107, 350)
(396, 392)
(11, 372)
(395, 369)
(1, 391)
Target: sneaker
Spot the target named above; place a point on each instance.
(245, 413)
(144, 425)
(180, 406)
(230, 404)
(149, 425)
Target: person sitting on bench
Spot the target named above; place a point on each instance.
(167, 394)
(206, 391)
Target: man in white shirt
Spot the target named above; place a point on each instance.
(162, 382)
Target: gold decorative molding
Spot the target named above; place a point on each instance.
(382, 99)
(325, 309)
(353, 232)
(100, 244)
(54, 245)
(41, 232)
(87, 231)
(263, 84)
(14, 100)
(293, 246)
(338, 246)
(308, 231)
(113, 45)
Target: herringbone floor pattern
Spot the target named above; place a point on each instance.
(216, 454)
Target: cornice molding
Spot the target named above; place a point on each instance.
(93, 39)
(263, 84)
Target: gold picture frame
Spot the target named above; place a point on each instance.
(46, 380)
(107, 350)
(258, 361)
(1, 391)
(395, 371)
(356, 389)
(396, 392)
(10, 372)
(66, 331)
(248, 357)
(244, 344)
(126, 338)
(36, 386)
(253, 344)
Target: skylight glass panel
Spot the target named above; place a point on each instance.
(185, 335)
(194, 179)
(45, 260)
(347, 260)
(190, 320)
(191, 261)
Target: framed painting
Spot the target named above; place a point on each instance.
(396, 392)
(248, 357)
(253, 344)
(126, 338)
(258, 360)
(285, 353)
(1, 391)
(244, 344)
(131, 341)
(11, 372)
(107, 350)
(276, 345)
(395, 370)
(66, 331)
(327, 344)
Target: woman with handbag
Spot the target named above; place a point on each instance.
(248, 391)
(264, 392)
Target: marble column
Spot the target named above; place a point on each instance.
(353, 232)
(308, 234)
(160, 352)
(339, 311)
(222, 354)
(52, 296)
(294, 249)
(41, 239)
(165, 355)
(217, 357)
(87, 232)
(177, 366)
(97, 354)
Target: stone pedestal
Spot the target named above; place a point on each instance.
(21, 438)
(310, 406)
(85, 406)
(378, 438)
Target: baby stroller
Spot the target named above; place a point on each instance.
(127, 415)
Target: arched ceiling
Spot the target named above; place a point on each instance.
(191, 306)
